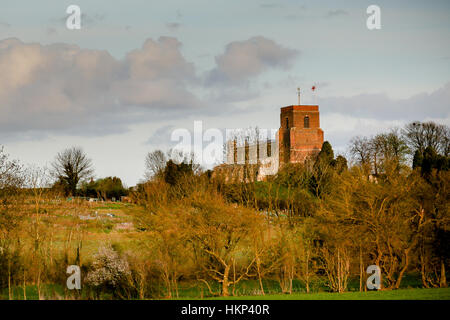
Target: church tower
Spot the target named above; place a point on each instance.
(300, 134)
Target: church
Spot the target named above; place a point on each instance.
(298, 138)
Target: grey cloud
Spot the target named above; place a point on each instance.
(337, 12)
(243, 60)
(292, 16)
(173, 26)
(271, 5)
(281, 6)
(51, 31)
(232, 94)
(62, 87)
(421, 106)
(161, 136)
(91, 19)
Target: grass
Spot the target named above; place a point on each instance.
(402, 294)
(59, 292)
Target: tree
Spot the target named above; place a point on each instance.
(218, 234)
(326, 153)
(395, 147)
(71, 166)
(110, 187)
(420, 135)
(360, 149)
(430, 159)
(432, 194)
(388, 149)
(340, 164)
(174, 172)
(38, 181)
(11, 219)
(10, 171)
(155, 162)
(323, 170)
(376, 218)
(110, 272)
(417, 159)
(377, 153)
(106, 188)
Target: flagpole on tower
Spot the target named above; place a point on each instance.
(298, 93)
(314, 96)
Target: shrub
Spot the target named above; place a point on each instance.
(109, 274)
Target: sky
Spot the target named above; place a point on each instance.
(137, 70)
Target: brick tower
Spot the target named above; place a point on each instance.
(300, 135)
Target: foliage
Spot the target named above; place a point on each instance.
(109, 272)
(106, 188)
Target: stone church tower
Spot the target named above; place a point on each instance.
(300, 135)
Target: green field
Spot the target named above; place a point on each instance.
(402, 294)
(58, 292)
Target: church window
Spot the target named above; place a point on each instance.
(306, 122)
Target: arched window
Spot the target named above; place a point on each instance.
(306, 122)
(287, 123)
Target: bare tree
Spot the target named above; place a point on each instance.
(38, 181)
(71, 166)
(10, 171)
(11, 219)
(217, 234)
(420, 135)
(360, 149)
(377, 152)
(155, 163)
(387, 148)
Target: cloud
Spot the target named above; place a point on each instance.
(88, 19)
(64, 87)
(243, 60)
(67, 89)
(340, 128)
(161, 136)
(420, 107)
(173, 26)
(336, 13)
(271, 5)
(51, 31)
(368, 114)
